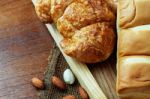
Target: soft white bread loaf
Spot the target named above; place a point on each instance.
(134, 12)
(134, 41)
(133, 80)
(133, 64)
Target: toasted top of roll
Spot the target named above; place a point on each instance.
(86, 25)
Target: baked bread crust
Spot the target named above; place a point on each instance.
(87, 27)
(91, 43)
(82, 13)
(42, 8)
(134, 13)
(133, 80)
(133, 64)
(131, 42)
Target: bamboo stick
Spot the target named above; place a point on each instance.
(80, 70)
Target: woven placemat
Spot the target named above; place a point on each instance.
(56, 66)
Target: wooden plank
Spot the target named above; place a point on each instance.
(24, 48)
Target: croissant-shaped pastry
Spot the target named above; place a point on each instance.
(86, 25)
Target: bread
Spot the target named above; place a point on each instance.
(133, 55)
(86, 25)
(91, 43)
(134, 12)
(134, 77)
(42, 8)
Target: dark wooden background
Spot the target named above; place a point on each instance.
(24, 48)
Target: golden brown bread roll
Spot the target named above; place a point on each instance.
(134, 12)
(58, 7)
(134, 77)
(133, 63)
(91, 43)
(86, 25)
(134, 40)
(82, 13)
(42, 8)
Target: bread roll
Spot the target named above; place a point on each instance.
(133, 55)
(132, 41)
(134, 13)
(134, 77)
(86, 25)
(42, 8)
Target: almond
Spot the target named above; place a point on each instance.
(69, 97)
(58, 83)
(36, 82)
(68, 77)
(83, 93)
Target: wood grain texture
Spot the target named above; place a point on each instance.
(24, 48)
(105, 75)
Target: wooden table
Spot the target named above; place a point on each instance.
(24, 48)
